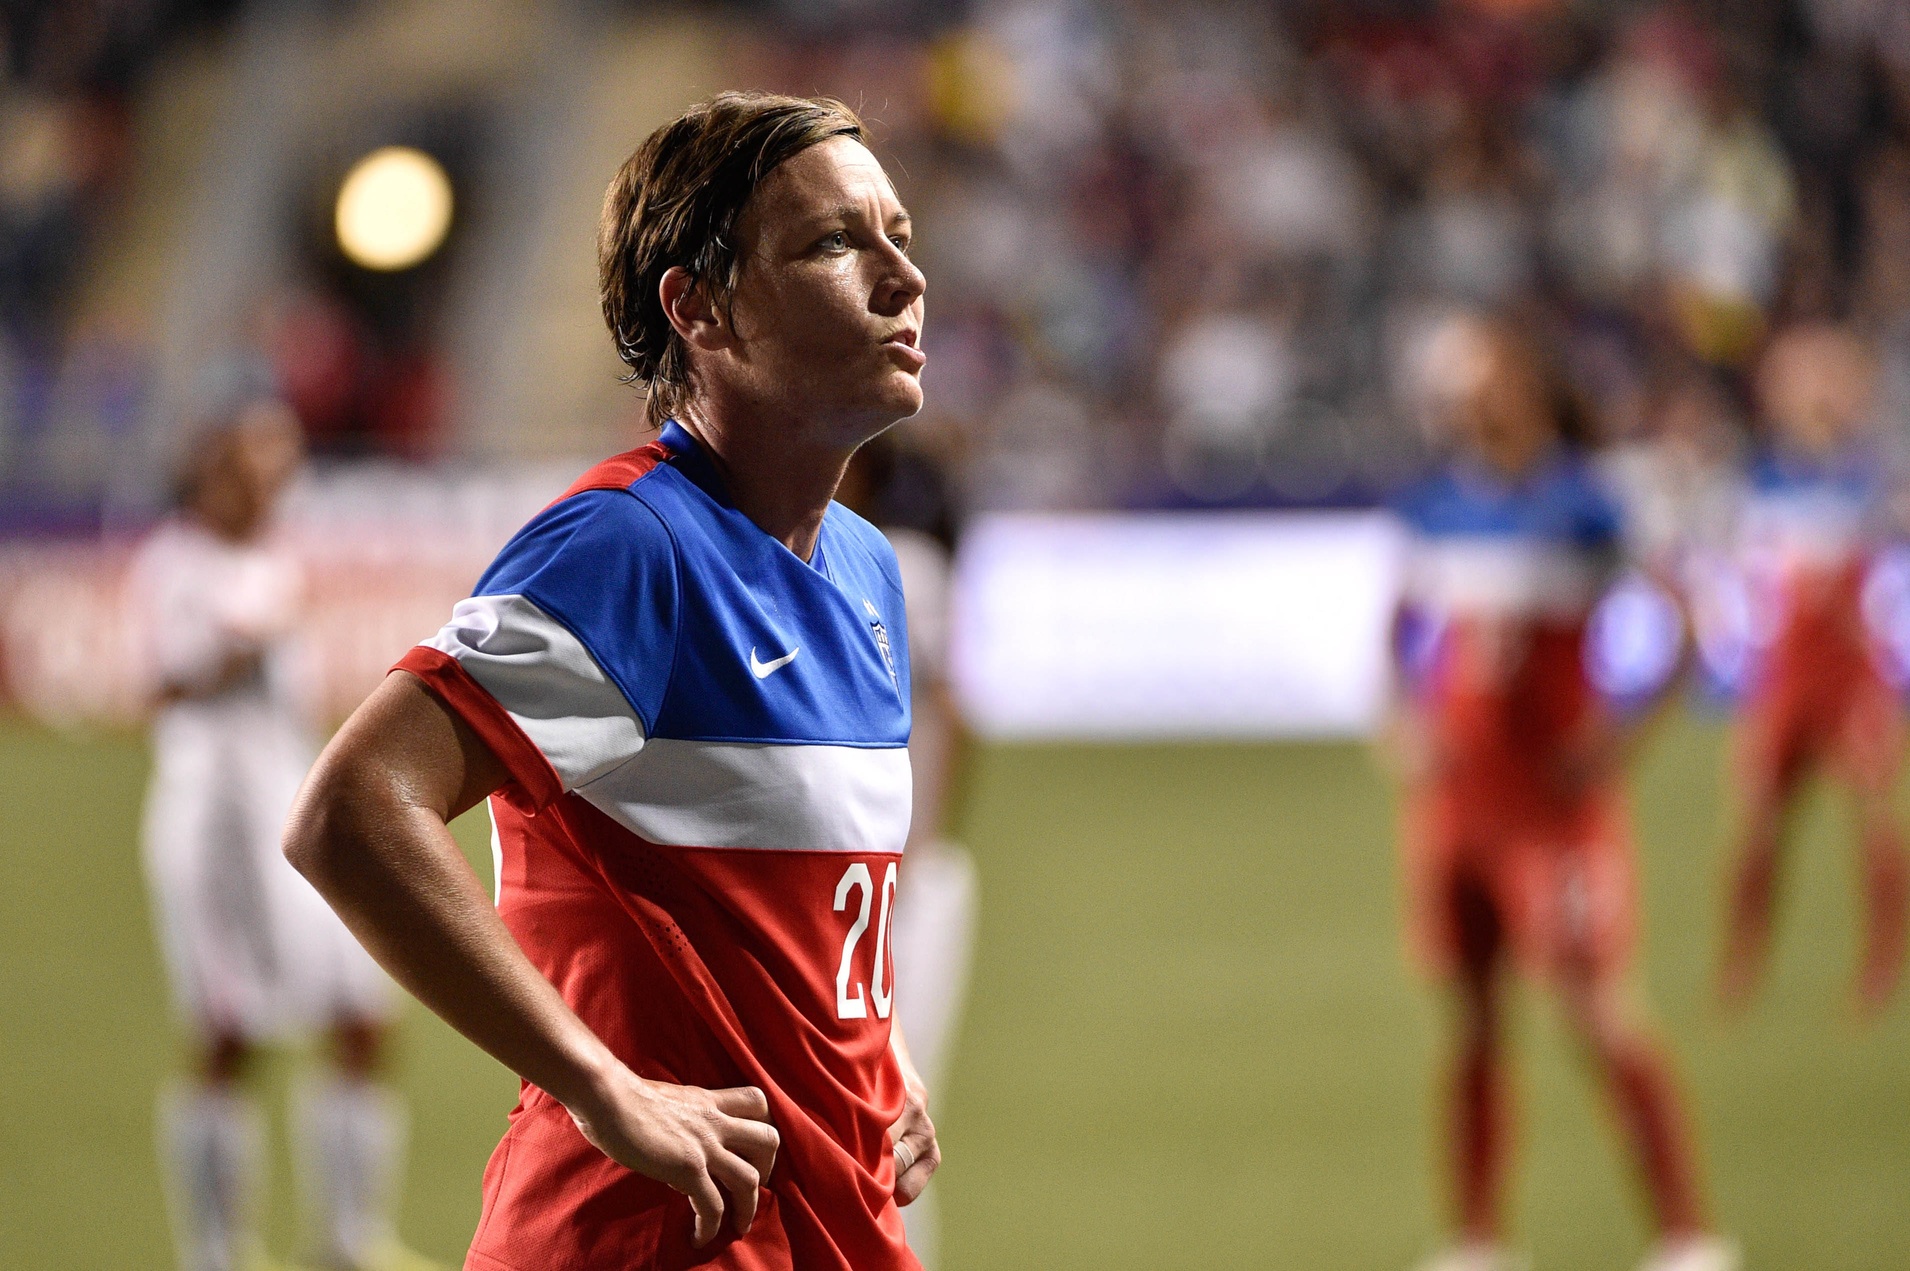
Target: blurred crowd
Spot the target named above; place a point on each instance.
(1196, 255)
(68, 76)
(1180, 254)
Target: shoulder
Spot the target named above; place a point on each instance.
(603, 565)
(1412, 502)
(1581, 481)
(1448, 503)
(592, 536)
(620, 472)
(1582, 500)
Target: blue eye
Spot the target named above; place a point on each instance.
(838, 241)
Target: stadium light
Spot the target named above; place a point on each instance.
(393, 208)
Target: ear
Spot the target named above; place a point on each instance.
(687, 306)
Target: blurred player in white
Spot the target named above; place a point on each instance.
(253, 953)
(934, 928)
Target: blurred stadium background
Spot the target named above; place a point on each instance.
(1188, 267)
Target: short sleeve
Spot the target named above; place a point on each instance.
(561, 658)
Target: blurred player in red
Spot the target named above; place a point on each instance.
(253, 953)
(1819, 699)
(1518, 851)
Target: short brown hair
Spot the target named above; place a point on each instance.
(676, 202)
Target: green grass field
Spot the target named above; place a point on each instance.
(1193, 1041)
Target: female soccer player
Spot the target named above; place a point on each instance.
(1518, 852)
(1819, 699)
(684, 688)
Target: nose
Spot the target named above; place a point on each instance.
(903, 285)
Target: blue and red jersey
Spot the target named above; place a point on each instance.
(709, 794)
(1503, 579)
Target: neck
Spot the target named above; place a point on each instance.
(231, 525)
(777, 471)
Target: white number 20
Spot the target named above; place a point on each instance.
(854, 1005)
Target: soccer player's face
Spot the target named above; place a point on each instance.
(1507, 419)
(827, 311)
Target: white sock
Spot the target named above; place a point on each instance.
(211, 1145)
(350, 1135)
(933, 934)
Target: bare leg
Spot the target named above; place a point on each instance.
(1753, 900)
(1886, 895)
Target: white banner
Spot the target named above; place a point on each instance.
(1166, 625)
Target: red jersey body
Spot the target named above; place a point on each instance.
(1817, 694)
(699, 847)
(1506, 841)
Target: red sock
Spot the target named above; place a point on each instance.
(1886, 894)
(1647, 1103)
(1748, 934)
(1480, 1117)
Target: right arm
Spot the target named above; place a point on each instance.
(371, 832)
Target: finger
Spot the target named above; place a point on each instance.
(742, 1181)
(707, 1201)
(742, 1101)
(915, 1128)
(913, 1181)
(754, 1141)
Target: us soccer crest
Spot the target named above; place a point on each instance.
(882, 643)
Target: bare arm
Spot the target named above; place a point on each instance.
(370, 830)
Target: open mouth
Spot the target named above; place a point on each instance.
(906, 336)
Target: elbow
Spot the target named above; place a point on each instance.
(311, 840)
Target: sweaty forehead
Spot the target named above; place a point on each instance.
(829, 177)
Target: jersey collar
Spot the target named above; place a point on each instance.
(693, 461)
(689, 458)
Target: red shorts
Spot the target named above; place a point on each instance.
(1557, 893)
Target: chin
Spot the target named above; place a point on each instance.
(909, 403)
(896, 400)
(904, 393)
(860, 416)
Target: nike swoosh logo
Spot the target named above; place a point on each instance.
(764, 670)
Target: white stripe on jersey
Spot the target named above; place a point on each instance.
(1505, 577)
(751, 794)
(546, 679)
(1805, 528)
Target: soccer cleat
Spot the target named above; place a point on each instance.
(1474, 1256)
(1693, 1253)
